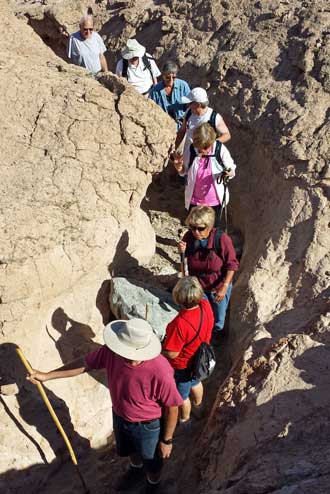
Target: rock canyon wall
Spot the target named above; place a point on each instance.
(76, 160)
(267, 70)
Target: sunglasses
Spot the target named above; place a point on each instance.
(169, 76)
(88, 29)
(198, 228)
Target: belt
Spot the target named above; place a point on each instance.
(141, 422)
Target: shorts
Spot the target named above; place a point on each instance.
(184, 383)
(141, 438)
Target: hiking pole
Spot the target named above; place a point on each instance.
(147, 312)
(54, 417)
(224, 205)
(183, 260)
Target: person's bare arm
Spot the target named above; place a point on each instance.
(170, 420)
(169, 354)
(221, 292)
(103, 62)
(181, 133)
(71, 369)
(222, 131)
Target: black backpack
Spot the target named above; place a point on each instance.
(147, 65)
(211, 120)
(204, 358)
(216, 155)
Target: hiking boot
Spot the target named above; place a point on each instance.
(131, 479)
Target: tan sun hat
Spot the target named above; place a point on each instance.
(133, 49)
(133, 339)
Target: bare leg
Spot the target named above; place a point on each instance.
(185, 410)
(197, 394)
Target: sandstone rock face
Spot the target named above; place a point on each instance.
(76, 160)
(266, 66)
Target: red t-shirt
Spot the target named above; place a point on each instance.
(138, 392)
(182, 330)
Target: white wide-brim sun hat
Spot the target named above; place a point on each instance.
(132, 49)
(133, 339)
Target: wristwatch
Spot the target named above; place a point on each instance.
(167, 441)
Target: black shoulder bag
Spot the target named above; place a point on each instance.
(204, 358)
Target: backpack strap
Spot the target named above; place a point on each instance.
(125, 67)
(188, 115)
(212, 120)
(198, 330)
(193, 155)
(216, 241)
(217, 152)
(147, 64)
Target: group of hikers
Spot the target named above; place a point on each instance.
(152, 386)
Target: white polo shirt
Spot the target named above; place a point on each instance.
(139, 76)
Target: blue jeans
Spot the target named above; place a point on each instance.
(219, 308)
(141, 438)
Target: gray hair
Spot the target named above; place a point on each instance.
(205, 104)
(188, 292)
(170, 66)
(86, 17)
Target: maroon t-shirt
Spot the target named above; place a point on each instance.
(138, 392)
(204, 262)
(182, 330)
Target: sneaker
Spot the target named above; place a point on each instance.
(132, 478)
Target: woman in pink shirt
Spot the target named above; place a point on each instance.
(206, 167)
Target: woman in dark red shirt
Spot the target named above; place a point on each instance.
(212, 258)
(178, 346)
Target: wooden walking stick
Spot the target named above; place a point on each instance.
(54, 417)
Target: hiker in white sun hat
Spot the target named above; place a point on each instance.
(144, 396)
(198, 113)
(138, 67)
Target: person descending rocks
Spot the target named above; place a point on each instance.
(212, 259)
(169, 92)
(192, 326)
(86, 47)
(143, 393)
(207, 167)
(138, 67)
(198, 113)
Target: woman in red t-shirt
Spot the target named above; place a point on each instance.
(196, 312)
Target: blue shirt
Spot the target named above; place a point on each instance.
(172, 106)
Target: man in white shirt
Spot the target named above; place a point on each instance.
(199, 112)
(86, 47)
(138, 67)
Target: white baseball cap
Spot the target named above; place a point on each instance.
(197, 94)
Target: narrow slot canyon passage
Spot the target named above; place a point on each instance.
(78, 208)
